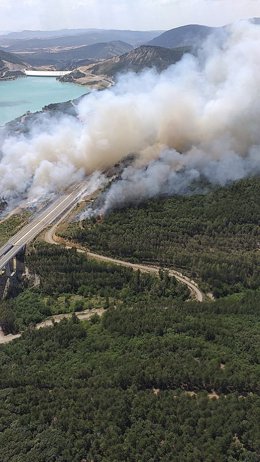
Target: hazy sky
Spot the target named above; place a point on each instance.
(121, 14)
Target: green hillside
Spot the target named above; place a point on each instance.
(214, 237)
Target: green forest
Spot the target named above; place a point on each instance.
(215, 238)
(69, 282)
(158, 377)
(168, 382)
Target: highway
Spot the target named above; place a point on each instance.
(56, 211)
(39, 223)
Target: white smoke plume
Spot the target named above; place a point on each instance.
(198, 119)
(160, 177)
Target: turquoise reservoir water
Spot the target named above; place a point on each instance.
(32, 93)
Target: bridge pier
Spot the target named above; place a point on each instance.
(3, 283)
(8, 269)
(9, 276)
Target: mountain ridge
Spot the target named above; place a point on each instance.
(188, 35)
(97, 51)
(104, 73)
(134, 38)
(139, 58)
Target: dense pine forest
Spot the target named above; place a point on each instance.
(214, 237)
(158, 378)
(67, 281)
(165, 382)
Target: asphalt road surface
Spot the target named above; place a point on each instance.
(38, 224)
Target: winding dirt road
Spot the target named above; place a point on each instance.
(82, 316)
(196, 293)
(51, 238)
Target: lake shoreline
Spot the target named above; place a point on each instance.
(32, 94)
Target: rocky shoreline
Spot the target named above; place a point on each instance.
(95, 82)
(11, 75)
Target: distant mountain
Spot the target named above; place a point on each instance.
(103, 74)
(139, 59)
(34, 40)
(90, 37)
(191, 35)
(70, 57)
(32, 34)
(182, 36)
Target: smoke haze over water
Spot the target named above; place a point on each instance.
(200, 119)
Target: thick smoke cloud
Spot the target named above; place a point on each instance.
(160, 177)
(200, 119)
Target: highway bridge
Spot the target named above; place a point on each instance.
(54, 211)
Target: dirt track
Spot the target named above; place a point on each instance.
(51, 238)
(196, 293)
(193, 287)
(83, 315)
